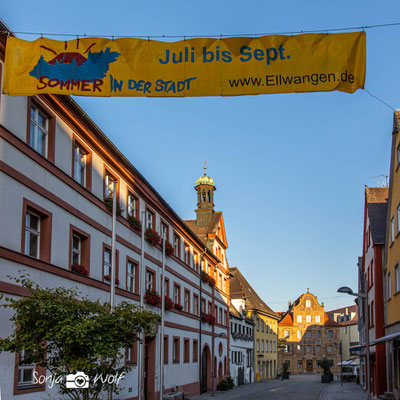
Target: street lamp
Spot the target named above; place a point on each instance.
(363, 296)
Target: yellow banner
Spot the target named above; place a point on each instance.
(194, 67)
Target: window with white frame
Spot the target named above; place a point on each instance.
(396, 279)
(149, 280)
(149, 219)
(330, 333)
(32, 234)
(186, 302)
(80, 164)
(132, 205)
(299, 334)
(258, 345)
(398, 218)
(195, 305)
(186, 255)
(266, 346)
(176, 294)
(39, 131)
(25, 372)
(308, 318)
(299, 318)
(76, 249)
(389, 286)
(131, 277)
(299, 348)
(287, 333)
(107, 262)
(262, 346)
(392, 230)
(108, 185)
(308, 303)
(176, 245)
(317, 318)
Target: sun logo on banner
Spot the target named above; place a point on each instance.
(74, 65)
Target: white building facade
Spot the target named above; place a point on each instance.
(241, 343)
(57, 170)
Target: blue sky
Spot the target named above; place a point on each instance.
(290, 169)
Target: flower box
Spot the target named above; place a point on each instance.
(108, 201)
(169, 249)
(152, 237)
(152, 297)
(178, 307)
(209, 318)
(207, 278)
(168, 303)
(107, 278)
(79, 269)
(134, 223)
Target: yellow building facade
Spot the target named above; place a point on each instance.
(307, 335)
(265, 344)
(391, 267)
(265, 360)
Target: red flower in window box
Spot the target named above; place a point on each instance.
(178, 306)
(169, 249)
(207, 278)
(168, 303)
(108, 201)
(152, 237)
(134, 223)
(108, 279)
(152, 297)
(209, 318)
(80, 269)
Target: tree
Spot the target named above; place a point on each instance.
(65, 332)
(326, 365)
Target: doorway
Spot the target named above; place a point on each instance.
(309, 365)
(149, 368)
(205, 369)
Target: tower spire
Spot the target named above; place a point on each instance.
(205, 188)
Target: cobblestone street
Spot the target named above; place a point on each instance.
(298, 387)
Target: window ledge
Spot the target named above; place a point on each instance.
(175, 362)
(396, 293)
(391, 244)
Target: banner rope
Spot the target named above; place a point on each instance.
(377, 98)
(255, 35)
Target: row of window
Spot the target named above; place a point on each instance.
(269, 327)
(310, 348)
(309, 333)
(238, 328)
(268, 349)
(41, 139)
(26, 372)
(37, 235)
(309, 318)
(237, 357)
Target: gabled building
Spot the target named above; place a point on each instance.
(374, 231)
(241, 343)
(347, 318)
(265, 326)
(57, 174)
(391, 267)
(307, 335)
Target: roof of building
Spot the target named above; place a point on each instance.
(352, 308)
(203, 231)
(329, 322)
(287, 320)
(234, 311)
(239, 287)
(376, 198)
